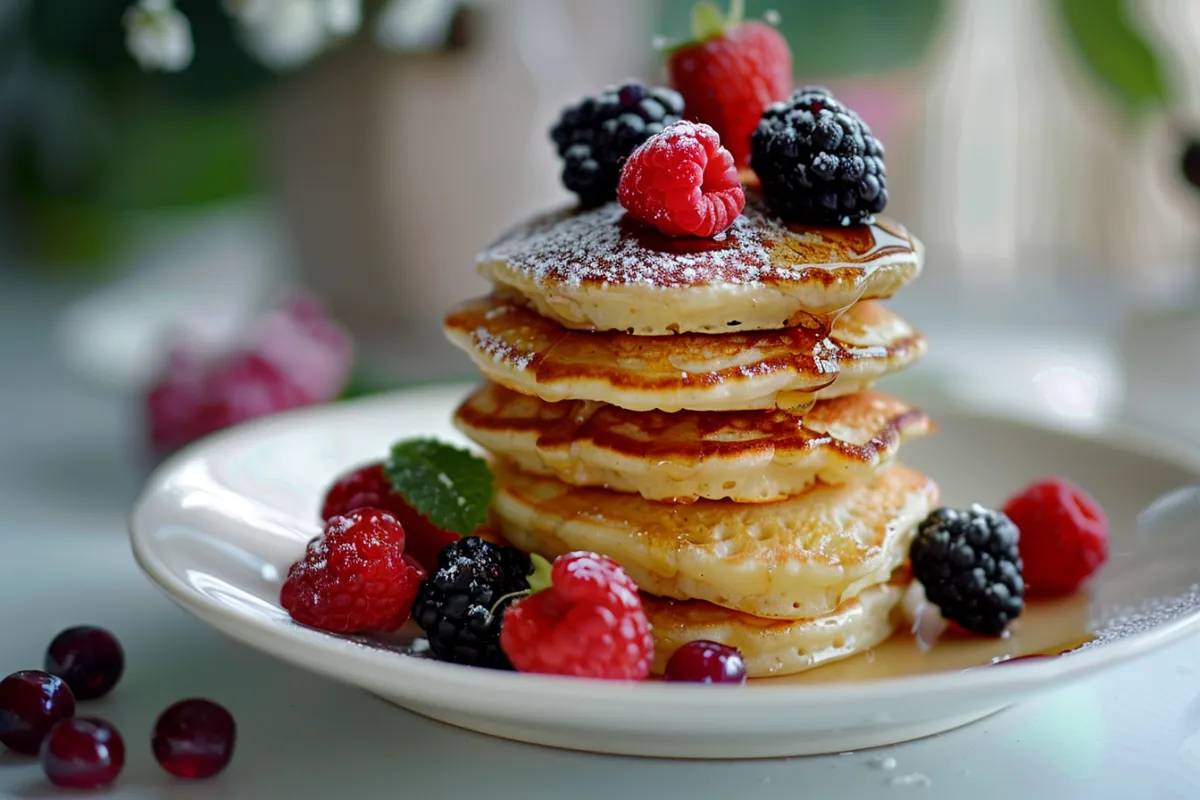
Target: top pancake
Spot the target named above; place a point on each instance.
(597, 269)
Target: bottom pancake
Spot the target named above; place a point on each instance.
(774, 647)
(794, 559)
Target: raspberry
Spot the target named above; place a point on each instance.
(368, 486)
(355, 578)
(682, 182)
(1064, 535)
(589, 623)
(730, 76)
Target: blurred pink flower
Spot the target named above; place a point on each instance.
(291, 357)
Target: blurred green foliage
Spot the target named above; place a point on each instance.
(1116, 53)
(87, 138)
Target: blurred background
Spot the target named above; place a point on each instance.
(305, 183)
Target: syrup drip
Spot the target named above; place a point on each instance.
(683, 437)
(1046, 628)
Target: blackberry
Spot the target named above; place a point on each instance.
(970, 566)
(454, 606)
(818, 161)
(595, 136)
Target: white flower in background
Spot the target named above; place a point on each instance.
(415, 25)
(158, 36)
(287, 33)
(343, 17)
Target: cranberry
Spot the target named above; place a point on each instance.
(194, 739)
(83, 753)
(30, 703)
(703, 661)
(89, 659)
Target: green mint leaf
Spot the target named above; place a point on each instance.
(450, 486)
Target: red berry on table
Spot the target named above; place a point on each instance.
(729, 73)
(354, 578)
(88, 658)
(83, 753)
(589, 623)
(682, 182)
(1064, 536)
(194, 739)
(369, 487)
(703, 661)
(31, 702)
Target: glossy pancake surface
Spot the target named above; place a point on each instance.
(775, 647)
(517, 348)
(597, 269)
(746, 456)
(797, 558)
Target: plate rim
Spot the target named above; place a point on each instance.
(1021, 678)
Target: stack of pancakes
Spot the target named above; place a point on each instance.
(701, 411)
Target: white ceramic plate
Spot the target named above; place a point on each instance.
(219, 524)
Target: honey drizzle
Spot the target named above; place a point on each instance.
(687, 437)
(1046, 628)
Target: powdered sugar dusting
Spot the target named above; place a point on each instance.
(601, 246)
(595, 247)
(501, 350)
(1154, 613)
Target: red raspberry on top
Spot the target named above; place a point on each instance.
(729, 73)
(1064, 536)
(589, 623)
(682, 182)
(369, 486)
(354, 578)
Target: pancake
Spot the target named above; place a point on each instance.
(598, 269)
(517, 348)
(797, 558)
(746, 456)
(774, 647)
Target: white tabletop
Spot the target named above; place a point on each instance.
(67, 474)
